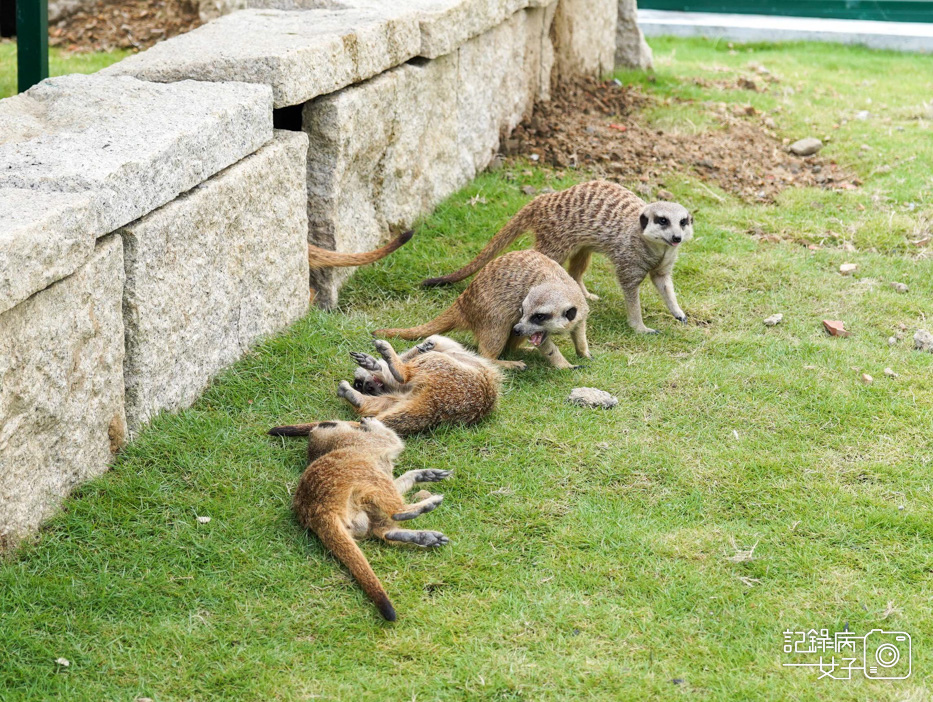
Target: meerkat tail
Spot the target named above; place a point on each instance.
(338, 541)
(323, 258)
(505, 236)
(292, 430)
(450, 319)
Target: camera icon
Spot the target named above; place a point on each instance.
(887, 655)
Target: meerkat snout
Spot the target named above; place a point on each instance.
(666, 223)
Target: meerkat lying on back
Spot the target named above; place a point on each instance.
(522, 294)
(348, 492)
(640, 239)
(435, 382)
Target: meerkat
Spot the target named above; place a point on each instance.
(347, 492)
(639, 239)
(520, 295)
(438, 381)
(325, 258)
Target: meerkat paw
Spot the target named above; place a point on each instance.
(426, 346)
(416, 510)
(590, 296)
(425, 539)
(346, 391)
(432, 475)
(431, 539)
(682, 318)
(364, 360)
(383, 347)
(517, 365)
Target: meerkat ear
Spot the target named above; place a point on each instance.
(643, 220)
(571, 313)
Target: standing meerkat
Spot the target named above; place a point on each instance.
(640, 240)
(348, 492)
(522, 294)
(435, 382)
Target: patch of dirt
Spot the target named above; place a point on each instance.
(599, 126)
(124, 24)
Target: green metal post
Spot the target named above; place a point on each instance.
(32, 42)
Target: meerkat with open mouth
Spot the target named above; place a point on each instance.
(436, 382)
(347, 492)
(521, 295)
(640, 239)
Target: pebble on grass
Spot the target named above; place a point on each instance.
(774, 320)
(591, 397)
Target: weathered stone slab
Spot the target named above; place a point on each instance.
(389, 150)
(632, 51)
(584, 36)
(446, 24)
(382, 153)
(501, 72)
(132, 145)
(43, 238)
(301, 55)
(210, 273)
(61, 389)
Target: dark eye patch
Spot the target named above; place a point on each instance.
(571, 313)
(663, 221)
(684, 222)
(539, 318)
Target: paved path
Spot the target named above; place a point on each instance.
(899, 36)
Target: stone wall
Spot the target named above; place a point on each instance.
(153, 225)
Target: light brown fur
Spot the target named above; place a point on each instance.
(436, 382)
(522, 294)
(324, 258)
(348, 492)
(569, 226)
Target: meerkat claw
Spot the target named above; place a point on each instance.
(425, 347)
(364, 360)
(433, 475)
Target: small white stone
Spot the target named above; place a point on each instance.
(848, 268)
(774, 320)
(900, 287)
(867, 379)
(204, 520)
(923, 341)
(890, 373)
(892, 341)
(592, 397)
(63, 662)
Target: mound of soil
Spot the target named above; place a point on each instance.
(598, 126)
(124, 24)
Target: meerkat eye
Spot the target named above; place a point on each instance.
(684, 222)
(539, 318)
(663, 221)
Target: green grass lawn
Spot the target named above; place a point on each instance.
(60, 63)
(594, 554)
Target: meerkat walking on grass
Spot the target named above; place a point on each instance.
(348, 492)
(520, 295)
(640, 239)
